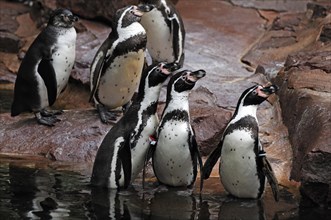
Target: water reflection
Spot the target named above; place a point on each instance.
(111, 204)
(242, 209)
(29, 192)
(32, 193)
(173, 204)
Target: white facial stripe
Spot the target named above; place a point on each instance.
(125, 33)
(245, 110)
(164, 3)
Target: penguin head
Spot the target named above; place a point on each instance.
(153, 76)
(130, 14)
(62, 18)
(157, 73)
(185, 80)
(255, 95)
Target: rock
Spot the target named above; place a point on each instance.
(305, 100)
(76, 138)
(9, 42)
(273, 5)
(325, 35)
(95, 9)
(289, 34)
(99, 9)
(87, 44)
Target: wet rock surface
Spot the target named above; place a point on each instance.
(293, 45)
(305, 99)
(78, 132)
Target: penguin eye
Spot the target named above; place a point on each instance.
(254, 92)
(158, 69)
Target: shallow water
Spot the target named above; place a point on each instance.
(33, 190)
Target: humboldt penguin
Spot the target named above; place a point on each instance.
(175, 155)
(45, 69)
(122, 153)
(243, 163)
(165, 32)
(118, 63)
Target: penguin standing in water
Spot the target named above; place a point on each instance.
(46, 67)
(165, 32)
(117, 65)
(123, 151)
(243, 163)
(176, 154)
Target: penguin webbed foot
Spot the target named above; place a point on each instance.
(107, 116)
(49, 120)
(50, 113)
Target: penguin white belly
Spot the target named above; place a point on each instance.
(138, 153)
(172, 160)
(238, 171)
(121, 79)
(64, 58)
(159, 43)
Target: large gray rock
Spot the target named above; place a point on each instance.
(305, 97)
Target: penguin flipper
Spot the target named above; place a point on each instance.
(211, 161)
(96, 68)
(196, 149)
(269, 173)
(47, 73)
(149, 154)
(124, 154)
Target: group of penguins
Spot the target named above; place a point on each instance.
(118, 69)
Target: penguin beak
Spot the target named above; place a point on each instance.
(192, 77)
(73, 18)
(268, 90)
(145, 8)
(141, 10)
(171, 66)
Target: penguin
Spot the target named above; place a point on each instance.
(165, 32)
(243, 164)
(122, 153)
(45, 69)
(175, 155)
(118, 63)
